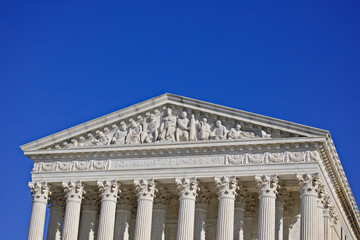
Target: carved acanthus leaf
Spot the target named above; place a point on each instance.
(74, 190)
(227, 186)
(309, 184)
(109, 189)
(145, 188)
(268, 185)
(188, 187)
(39, 191)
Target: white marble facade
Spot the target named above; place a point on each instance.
(177, 168)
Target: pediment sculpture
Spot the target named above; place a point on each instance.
(165, 127)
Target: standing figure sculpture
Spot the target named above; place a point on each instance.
(135, 130)
(120, 135)
(168, 126)
(151, 132)
(204, 130)
(182, 127)
(192, 128)
(219, 132)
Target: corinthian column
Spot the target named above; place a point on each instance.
(74, 191)
(248, 216)
(227, 192)
(309, 189)
(57, 207)
(239, 213)
(145, 190)
(162, 200)
(89, 210)
(201, 205)
(267, 195)
(123, 213)
(40, 193)
(109, 190)
(279, 214)
(188, 188)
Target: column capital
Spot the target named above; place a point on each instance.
(188, 187)
(91, 200)
(227, 186)
(39, 191)
(203, 198)
(282, 194)
(57, 199)
(162, 199)
(145, 188)
(309, 184)
(127, 198)
(109, 190)
(268, 185)
(249, 205)
(74, 190)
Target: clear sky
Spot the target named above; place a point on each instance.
(66, 62)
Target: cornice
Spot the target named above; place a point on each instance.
(176, 148)
(340, 183)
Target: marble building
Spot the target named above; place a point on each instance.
(178, 168)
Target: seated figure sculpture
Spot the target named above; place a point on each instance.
(219, 132)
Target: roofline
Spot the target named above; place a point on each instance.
(177, 100)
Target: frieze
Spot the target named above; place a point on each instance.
(168, 125)
(166, 162)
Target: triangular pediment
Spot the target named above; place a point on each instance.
(171, 118)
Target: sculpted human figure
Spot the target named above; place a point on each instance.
(182, 127)
(168, 126)
(204, 130)
(219, 131)
(235, 133)
(120, 135)
(135, 130)
(104, 140)
(192, 134)
(151, 131)
(93, 140)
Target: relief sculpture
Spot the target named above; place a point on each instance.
(165, 127)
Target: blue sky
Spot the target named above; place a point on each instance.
(66, 62)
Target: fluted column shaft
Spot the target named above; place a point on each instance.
(57, 207)
(279, 220)
(239, 221)
(88, 223)
(309, 186)
(227, 192)
(201, 205)
(158, 223)
(267, 196)
(321, 220)
(248, 222)
(146, 189)
(74, 192)
(40, 193)
(109, 192)
(200, 221)
(188, 188)
(287, 219)
(55, 223)
(122, 222)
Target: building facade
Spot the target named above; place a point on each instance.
(178, 168)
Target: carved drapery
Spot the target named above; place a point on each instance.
(166, 126)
